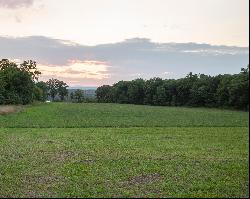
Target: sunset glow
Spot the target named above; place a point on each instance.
(76, 71)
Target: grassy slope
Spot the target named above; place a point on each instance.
(116, 115)
(145, 161)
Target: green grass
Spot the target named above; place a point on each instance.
(116, 115)
(109, 162)
(193, 153)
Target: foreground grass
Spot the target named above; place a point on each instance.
(124, 162)
(116, 115)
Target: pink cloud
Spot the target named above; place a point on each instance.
(77, 72)
(89, 62)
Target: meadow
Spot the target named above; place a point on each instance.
(85, 115)
(114, 150)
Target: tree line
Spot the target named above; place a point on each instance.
(19, 85)
(231, 91)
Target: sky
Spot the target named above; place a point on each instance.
(93, 42)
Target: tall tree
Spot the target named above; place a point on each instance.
(104, 93)
(52, 85)
(62, 89)
(31, 68)
(79, 96)
(136, 91)
(18, 82)
(120, 92)
(150, 90)
(44, 90)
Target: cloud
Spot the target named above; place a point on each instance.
(76, 70)
(18, 19)
(166, 73)
(132, 58)
(13, 4)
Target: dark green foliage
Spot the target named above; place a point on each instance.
(239, 90)
(57, 87)
(150, 89)
(72, 96)
(160, 96)
(203, 91)
(136, 91)
(170, 87)
(52, 88)
(38, 93)
(104, 93)
(17, 82)
(120, 92)
(30, 67)
(42, 86)
(62, 90)
(193, 90)
(2, 89)
(77, 96)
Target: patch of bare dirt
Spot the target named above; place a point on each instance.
(63, 156)
(7, 109)
(87, 161)
(143, 180)
(43, 179)
(35, 182)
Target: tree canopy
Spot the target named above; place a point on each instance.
(17, 82)
(193, 90)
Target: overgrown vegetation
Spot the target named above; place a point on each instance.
(193, 90)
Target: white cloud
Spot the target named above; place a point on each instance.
(13, 4)
(167, 73)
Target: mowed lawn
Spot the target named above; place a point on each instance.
(112, 150)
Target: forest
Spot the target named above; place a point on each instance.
(227, 91)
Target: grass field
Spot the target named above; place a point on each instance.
(113, 150)
(116, 115)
